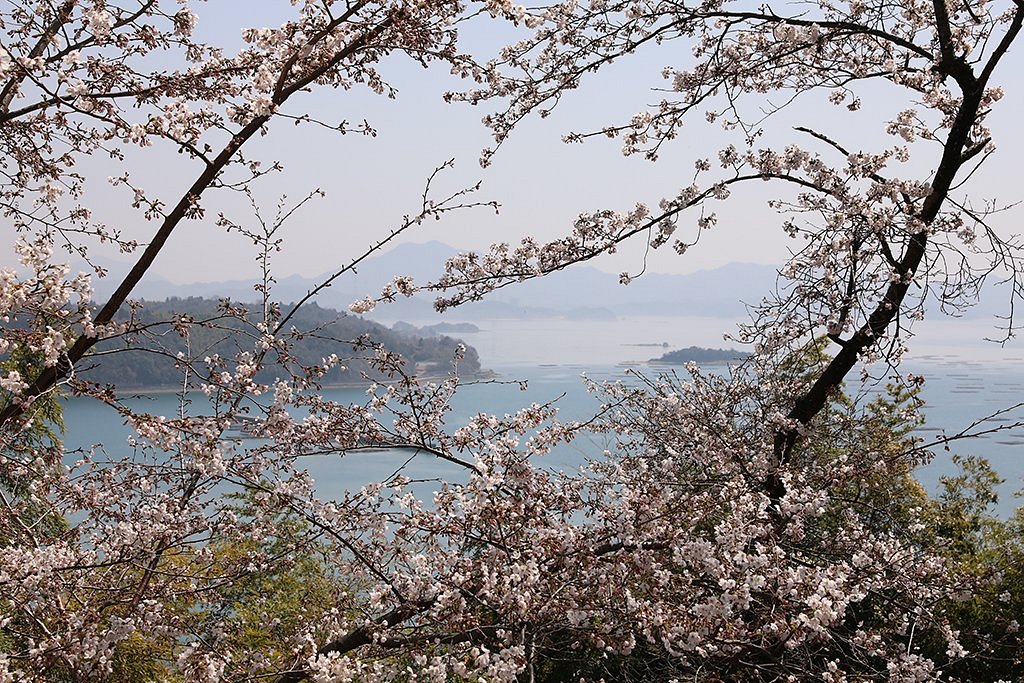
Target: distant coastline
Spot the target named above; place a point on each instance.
(483, 374)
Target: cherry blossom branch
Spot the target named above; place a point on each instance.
(61, 16)
(808, 405)
(187, 206)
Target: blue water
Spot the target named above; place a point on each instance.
(964, 384)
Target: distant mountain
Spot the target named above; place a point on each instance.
(719, 293)
(584, 292)
(580, 292)
(423, 262)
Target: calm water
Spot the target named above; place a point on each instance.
(967, 379)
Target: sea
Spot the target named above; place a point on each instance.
(971, 384)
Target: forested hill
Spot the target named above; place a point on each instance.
(147, 359)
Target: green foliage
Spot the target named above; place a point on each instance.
(139, 659)
(958, 525)
(47, 416)
(272, 592)
(876, 436)
(35, 453)
(27, 518)
(991, 550)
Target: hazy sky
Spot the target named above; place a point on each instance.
(541, 183)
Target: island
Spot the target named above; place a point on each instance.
(699, 354)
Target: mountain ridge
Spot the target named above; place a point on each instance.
(581, 291)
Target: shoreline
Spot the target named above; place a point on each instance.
(131, 392)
